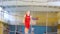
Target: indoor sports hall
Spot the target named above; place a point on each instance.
(45, 16)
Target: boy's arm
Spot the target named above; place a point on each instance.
(32, 22)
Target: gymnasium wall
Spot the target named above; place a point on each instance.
(58, 17)
(37, 29)
(1, 28)
(58, 26)
(40, 26)
(58, 20)
(43, 18)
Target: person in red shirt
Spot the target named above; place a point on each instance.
(27, 19)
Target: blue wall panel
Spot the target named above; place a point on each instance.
(12, 32)
(37, 29)
(12, 27)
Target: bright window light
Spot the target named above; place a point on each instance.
(7, 16)
(1, 9)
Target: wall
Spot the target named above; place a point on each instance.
(42, 17)
(1, 28)
(58, 30)
(58, 20)
(37, 29)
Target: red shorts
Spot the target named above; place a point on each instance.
(27, 25)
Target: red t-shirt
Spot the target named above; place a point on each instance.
(27, 21)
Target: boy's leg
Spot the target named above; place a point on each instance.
(26, 30)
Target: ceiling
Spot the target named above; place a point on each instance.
(29, 2)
